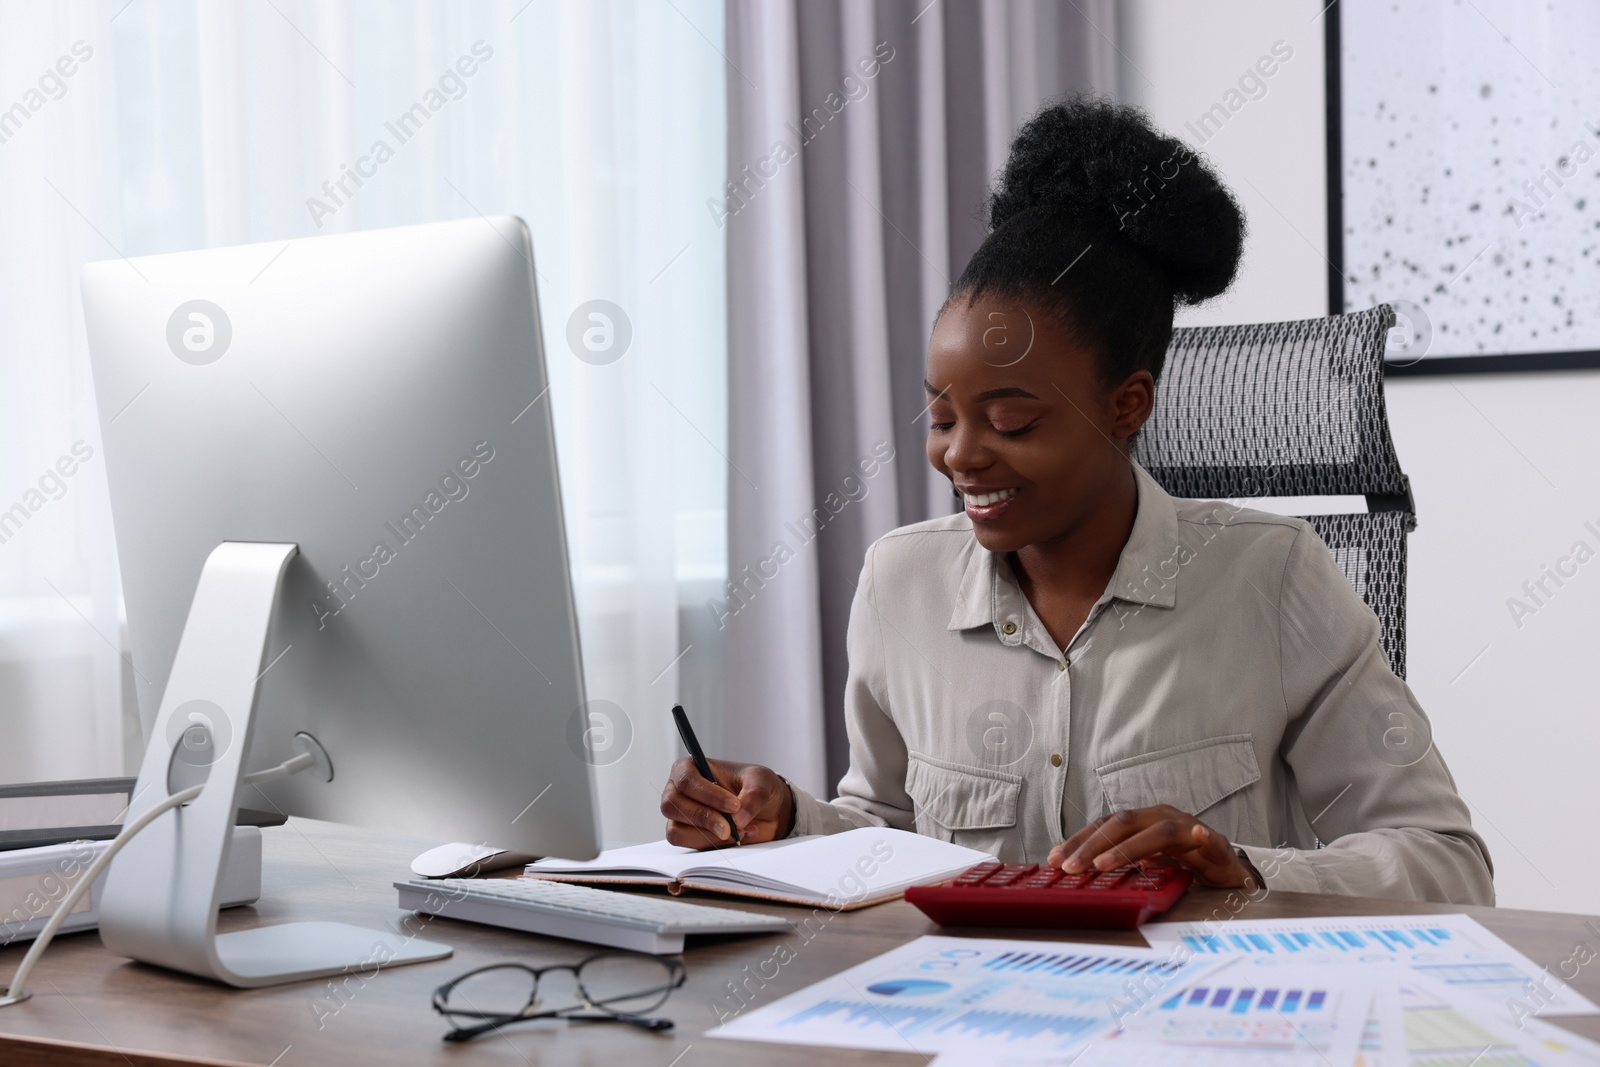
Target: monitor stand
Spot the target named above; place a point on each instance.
(161, 894)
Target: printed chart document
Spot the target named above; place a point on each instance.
(1289, 1016)
(1453, 949)
(1445, 1025)
(1414, 1021)
(939, 994)
(1333, 1016)
(842, 871)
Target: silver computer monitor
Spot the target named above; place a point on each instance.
(379, 400)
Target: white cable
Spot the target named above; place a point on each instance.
(16, 992)
(303, 762)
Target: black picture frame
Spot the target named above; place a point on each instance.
(1575, 359)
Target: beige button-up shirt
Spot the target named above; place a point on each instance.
(1229, 670)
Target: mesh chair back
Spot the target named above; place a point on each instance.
(1293, 409)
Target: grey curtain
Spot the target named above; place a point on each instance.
(862, 135)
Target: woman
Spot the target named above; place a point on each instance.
(1080, 669)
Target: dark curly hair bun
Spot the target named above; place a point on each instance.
(1107, 223)
(1098, 163)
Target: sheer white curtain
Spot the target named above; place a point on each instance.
(191, 125)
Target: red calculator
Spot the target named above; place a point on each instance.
(1026, 894)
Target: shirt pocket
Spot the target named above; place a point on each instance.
(1208, 779)
(971, 806)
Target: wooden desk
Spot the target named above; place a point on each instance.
(92, 1008)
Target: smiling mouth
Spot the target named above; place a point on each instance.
(986, 506)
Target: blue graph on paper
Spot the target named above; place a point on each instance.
(1303, 1015)
(1058, 964)
(1243, 1001)
(1413, 944)
(1388, 940)
(1449, 948)
(1050, 998)
(958, 1022)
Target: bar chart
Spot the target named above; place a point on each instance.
(938, 993)
(1291, 1015)
(1387, 940)
(1453, 949)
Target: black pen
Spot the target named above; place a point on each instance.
(697, 754)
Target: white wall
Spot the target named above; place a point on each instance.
(1180, 58)
(1503, 466)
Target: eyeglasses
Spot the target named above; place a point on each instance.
(608, 987)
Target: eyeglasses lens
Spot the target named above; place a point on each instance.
(629, 985)
(497, 992)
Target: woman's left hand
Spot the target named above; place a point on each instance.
(1162, 833)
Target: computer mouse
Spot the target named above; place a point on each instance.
(459, 859)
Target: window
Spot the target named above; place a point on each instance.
(185, 126)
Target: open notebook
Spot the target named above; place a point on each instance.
(842, 871)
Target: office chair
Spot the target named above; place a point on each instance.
(1293, 409)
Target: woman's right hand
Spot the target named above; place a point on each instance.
(759, 801)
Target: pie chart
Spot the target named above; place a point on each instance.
(908, 987)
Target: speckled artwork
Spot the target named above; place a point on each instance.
(1471, 169)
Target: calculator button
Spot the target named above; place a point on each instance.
(977, 874)
(1108, 879)
(1044, 878)
(1011, 872)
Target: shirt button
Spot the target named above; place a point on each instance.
(1061, 665)
(1009, 627)
(1055, 759)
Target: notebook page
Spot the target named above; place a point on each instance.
(656, 858)
(857, 864)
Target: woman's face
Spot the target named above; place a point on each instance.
(1021, 423)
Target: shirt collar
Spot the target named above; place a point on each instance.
(1147, 570)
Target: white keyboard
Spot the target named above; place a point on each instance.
(599, 916)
